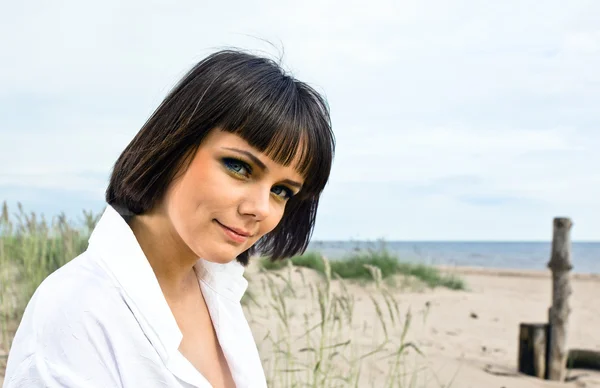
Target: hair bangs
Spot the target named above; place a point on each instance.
(292, 127)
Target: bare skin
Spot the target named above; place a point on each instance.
(200, 344)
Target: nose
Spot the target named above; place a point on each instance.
(256, 203)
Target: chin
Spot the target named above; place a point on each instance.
(222, 256)
(220, 259)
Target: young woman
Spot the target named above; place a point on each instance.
(231, 163)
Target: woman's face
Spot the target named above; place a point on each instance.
(230, 196)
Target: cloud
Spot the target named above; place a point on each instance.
(454, 120)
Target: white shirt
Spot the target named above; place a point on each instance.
(102, 320)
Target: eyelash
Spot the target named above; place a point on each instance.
(228, 162)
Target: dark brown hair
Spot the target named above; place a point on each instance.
(249, 96)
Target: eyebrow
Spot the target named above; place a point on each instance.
(262, 166)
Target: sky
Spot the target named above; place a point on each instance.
(454, 120)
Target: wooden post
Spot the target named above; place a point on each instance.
(533, 349)
(560, 264)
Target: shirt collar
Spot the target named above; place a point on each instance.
(114, 241)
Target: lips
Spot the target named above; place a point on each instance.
(240, 232)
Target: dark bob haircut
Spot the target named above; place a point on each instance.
(246, 95)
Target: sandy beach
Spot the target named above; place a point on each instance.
(467, 338)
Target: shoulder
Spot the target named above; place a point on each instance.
(68, 323)
(76, 304)
(81, 286)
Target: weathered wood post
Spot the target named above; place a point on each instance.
(533, 349)
(558, 315)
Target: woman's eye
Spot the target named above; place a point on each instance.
(237, 166)
(283, 192)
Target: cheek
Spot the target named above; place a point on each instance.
(274, 219)
(203, 190)
(181, 216)
(186, 205)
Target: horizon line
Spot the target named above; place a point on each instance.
(448, 241)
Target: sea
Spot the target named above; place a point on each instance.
(585, 256)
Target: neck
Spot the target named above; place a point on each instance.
(171, 260)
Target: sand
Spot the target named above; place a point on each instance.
(501, 300)
(468, 338)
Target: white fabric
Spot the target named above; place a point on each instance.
(102, 321)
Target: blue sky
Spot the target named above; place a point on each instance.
(455, 120)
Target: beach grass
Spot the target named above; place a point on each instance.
(356, 266)
(319, 337)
